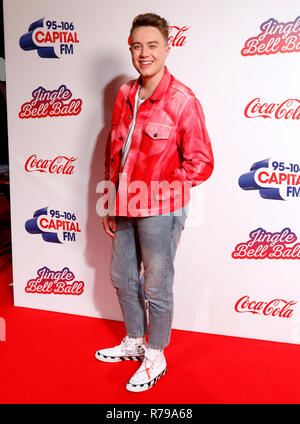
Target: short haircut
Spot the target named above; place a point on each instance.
(151, 19)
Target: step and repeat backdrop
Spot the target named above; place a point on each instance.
(237, 264)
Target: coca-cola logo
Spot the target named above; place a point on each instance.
(50, 281)
(288, 109)
(50, 103)
(58, 165)
(275, 37)
(267, 245)
(274, 178)
(177, 36)
(273, 308)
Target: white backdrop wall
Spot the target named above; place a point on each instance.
(250, 102)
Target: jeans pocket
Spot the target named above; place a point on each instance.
(179, 219)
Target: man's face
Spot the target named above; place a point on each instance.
(148, 51)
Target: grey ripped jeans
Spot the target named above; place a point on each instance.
(152, 240)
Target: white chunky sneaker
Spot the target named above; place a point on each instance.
(153, 367)
(129, 350)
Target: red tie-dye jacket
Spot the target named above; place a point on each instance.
(170, 150)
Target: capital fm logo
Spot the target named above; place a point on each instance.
(50, 38)
(273, 179)
(275, 37)
(53, 225)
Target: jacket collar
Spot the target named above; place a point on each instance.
(158, 92)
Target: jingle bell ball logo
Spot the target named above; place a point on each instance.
(275, 37)
(49, 281)
(52, 39)
(273, 179)
(266, 245)
(50, 103)
(53, 225)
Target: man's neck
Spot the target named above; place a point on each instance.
(149, 85)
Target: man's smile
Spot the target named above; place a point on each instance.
(145, 62)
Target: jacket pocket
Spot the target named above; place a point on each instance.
(158, 131)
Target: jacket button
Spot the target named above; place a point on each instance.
(129, 116)
(112, 159)
(155, 135)
(121, 138)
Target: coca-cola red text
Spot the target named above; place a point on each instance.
(58, 165)
(288, 109)
(275, 308)
(176, 37)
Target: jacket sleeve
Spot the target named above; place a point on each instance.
(114, 122)
(107, 156)
(197, 157)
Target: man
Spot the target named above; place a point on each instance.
(158, 143)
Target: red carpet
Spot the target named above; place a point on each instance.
(48, 357)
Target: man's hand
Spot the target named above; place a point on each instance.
(109, 225)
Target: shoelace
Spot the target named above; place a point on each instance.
(145, 347)
(124, 341)
(131, 345)
(147, 355)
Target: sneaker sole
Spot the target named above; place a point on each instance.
(145, 386)
(106, 358)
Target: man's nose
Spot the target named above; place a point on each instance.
(144, 51)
